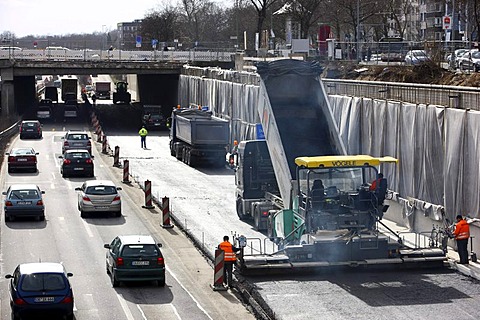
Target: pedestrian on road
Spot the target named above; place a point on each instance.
(143, 137)
(229, 260)
(462, 233)
(94, 99)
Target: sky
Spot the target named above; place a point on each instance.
(58, 17)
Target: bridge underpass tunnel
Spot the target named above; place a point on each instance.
(17, 96)
(158, 89)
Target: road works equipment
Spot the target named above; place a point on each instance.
(313, 200)
(196, 136)
(121, 95)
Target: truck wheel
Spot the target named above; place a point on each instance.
(178, 151)
(188, 157)
(256, 219)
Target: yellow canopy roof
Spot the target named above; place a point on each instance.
(342, 161)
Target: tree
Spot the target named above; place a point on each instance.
(261, 7)
(161, 25)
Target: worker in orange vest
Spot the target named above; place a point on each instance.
(462, 233)
(229, 260)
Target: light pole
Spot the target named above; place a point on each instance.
(358, 29)
(104, 30)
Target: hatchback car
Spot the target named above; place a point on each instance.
(99, 196)
(24, 200)
(41, 290)
(135, 258)
(70, 111)
(416, 57)
(22, 158)
(30, 129)
(470, 60)
(77, 162)
(76, 140)
(44, 111)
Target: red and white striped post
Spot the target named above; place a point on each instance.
(126, 169)
(116, 157)
(148, 195)
(98, 132)
(166, 213)
(104, 144)
(218, 271)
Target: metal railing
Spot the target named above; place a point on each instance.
(448, 96)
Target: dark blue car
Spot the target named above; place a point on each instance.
(40, 290)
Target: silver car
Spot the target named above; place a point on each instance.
(76, 139)
(24, 200)
(96, 196)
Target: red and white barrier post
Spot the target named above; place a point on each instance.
(126, 169)
(218, 271)
(148, 195)
(104, 144)
(166, 213)
(116, 157)
(98, 132)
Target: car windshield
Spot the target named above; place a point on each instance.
(135, 250)
(77, 155)
(101, 190)
(78, 136)
(419, 53)
(43, 282)
(24, 194)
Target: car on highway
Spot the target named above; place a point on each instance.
(470, 60)
(97, 196)
(70, 110)
(135, 258)
(76, 139)
(30, 129)
(40, 290)
(45, 109)
(416, 57)
(77, 162)
(23, 200)
(22, 159)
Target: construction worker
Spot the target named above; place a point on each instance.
(143, 137)
(373, 185)
(462, 233)
(229, 260)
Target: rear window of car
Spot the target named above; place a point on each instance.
(29, 124)
(78, 155)
(24, 194)
(44, 109)
(43, 282)
(70, 108)
(77, 136)
(101, 190)
(22, 151)
(135, 250)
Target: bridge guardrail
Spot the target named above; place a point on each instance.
(116, 55)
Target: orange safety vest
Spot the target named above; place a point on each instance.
(228, 250)
(462, 230)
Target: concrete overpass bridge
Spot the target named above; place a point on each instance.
(156, 79)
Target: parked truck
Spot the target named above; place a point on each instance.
(69, 89)
(102, 89)
(196, 136)
(321, 210)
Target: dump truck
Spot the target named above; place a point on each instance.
(121, 95)
(196, 136)
(102, 89)
(69, 89)
(321, 210)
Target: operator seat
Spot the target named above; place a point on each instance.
(318, 194)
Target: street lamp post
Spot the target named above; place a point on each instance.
(358, 29)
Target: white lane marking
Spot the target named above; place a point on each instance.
(125, 308)
(52, 184)
(188, 292)
(87, 227)
(57, 163)
(141, 312)
(175, 310)
(61, 218)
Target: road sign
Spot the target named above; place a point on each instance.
(447, 23)
(138, 42)
(154, 43)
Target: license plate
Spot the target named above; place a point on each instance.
(45, 299)
(77, 169)
(21, 159)
(77, 144)
(101, 207)
(29, 130)
(24, 202)
(140, 263)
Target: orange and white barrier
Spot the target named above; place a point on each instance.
(166, 213)
(126, 169)
(218, 271)
(148, 195)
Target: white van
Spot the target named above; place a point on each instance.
(56, 49)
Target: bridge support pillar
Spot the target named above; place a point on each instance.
(8, 98)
